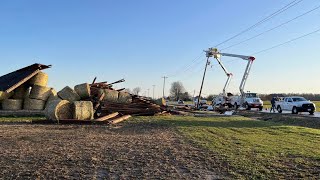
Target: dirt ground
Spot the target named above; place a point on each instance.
(131, 151)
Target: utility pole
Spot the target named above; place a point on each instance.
(148, 92)
(204, 74)
(153, 86)
(164, 84)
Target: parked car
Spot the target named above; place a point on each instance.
(296, 104)
(180, 101)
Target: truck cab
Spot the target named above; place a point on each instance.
(296, 104)
(252, 101)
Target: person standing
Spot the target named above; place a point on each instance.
(273, 104)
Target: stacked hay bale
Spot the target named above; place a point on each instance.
(124, 97)
(39, 93)
(32, 95)
(13, 101)
(70, 104)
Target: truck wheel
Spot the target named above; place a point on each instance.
(311, 112)
(247, 106)
(260, 108)
(294, 110)
(279, 109)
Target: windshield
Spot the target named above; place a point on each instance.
(297, 99)
(251, 95)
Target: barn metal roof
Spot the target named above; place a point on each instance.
(11, 81)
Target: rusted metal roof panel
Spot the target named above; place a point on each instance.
(11, 81)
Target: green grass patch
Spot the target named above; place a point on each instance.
(21, 119)
(253, 148)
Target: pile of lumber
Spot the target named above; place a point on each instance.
(25, 92)
(139, 106)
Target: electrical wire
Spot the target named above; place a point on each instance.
(271, 29)
(184, 69)
(281, 44)
(283, 9)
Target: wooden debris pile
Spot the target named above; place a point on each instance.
(25, 93)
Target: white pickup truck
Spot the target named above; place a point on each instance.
(295, 104)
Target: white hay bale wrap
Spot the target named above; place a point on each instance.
(83, 110)
(21, 92)
(111, 95)
(40, 93)
(69, 94)
(83, 90)
(124, 97)
(41, 79)
(33, 104)
(59, 109)
(4, 95)
(12, 104)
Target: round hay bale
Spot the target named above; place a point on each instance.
(83, 90)
(59, 109)
(83, 110)
(41, 79)
(69, 94)
(124, 97)
(12, 104)
(21, 92)
(40, 93)
(53, 96)
(33, 104)
(111, 95)
(4, 95)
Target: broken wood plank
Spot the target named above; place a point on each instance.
(107, 117)
(120, 119)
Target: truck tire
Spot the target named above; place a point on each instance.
(260, 108)
(294, 110)
(235, 106)
(279, 109)
(247, 106)
(311, 112)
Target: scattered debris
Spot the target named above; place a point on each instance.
(25, 90)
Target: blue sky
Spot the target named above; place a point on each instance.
(142, 41)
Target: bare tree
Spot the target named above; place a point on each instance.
(176, 90)
(136, 91)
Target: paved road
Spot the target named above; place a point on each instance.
(316, 114)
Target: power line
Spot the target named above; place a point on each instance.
(294, 39)
(195, 61)
(271, 29)
(283, 9)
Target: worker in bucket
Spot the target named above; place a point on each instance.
(273, 104)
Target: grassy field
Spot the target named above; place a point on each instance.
(244, 147)
(252, 148)
(267, 104)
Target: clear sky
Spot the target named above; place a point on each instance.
(143, 40)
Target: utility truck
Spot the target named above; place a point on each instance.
(295, 104)
(247, 100)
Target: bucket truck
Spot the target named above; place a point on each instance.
(222, 100)
(247, 100)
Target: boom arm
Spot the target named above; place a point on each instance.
(213, 52)
(228, 74)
